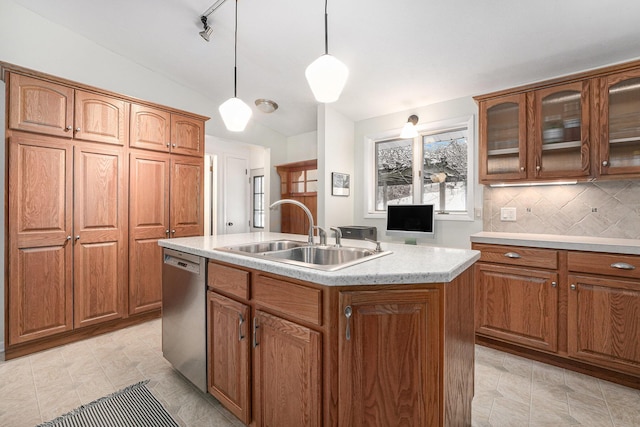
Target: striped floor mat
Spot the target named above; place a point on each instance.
(132, 406)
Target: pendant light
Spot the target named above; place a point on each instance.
(326, 75)
(235, 113)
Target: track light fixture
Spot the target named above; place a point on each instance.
(409, 129)
(208, 30)
(326, 75)
(235, 113)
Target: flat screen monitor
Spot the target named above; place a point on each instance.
(410, 221)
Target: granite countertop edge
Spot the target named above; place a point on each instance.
(552, 241)
(406, 264)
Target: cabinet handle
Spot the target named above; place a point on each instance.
(573, 287)
(554, 284)
(240, 323)
(512, 255)
(605, 163)
(347, 313)
(623, 266)
(255, 332)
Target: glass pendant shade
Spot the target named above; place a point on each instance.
(408, 131)
(327, 76)
(235, 114)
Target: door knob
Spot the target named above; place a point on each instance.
(230, 224)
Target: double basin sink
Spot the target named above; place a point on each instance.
(321, 257)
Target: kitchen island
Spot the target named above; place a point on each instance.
(389, 341)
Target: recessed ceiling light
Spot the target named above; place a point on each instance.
(266, 105)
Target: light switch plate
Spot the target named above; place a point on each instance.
(507, 214)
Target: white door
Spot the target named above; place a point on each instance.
(236, 195)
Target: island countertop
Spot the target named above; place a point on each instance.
(406, 264)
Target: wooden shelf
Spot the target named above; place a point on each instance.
(561, 145)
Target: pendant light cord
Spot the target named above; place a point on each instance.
(235, 56)
(326, 32)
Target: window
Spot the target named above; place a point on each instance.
(258, 201)
(433, 168)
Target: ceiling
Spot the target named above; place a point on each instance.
(401, 54)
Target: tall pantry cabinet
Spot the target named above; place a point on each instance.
(85, 208)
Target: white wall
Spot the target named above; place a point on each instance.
(335, 154)
(302, 147)
(448, 233)
(29, 40)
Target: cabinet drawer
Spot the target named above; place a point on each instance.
(228, 280)
(517, 255)
(605, 264)
(289, 298)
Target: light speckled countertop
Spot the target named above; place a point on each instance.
(552, 241)
(407, 263)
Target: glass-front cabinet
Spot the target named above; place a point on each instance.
(503, 138)
(559, 128)
(620, 124)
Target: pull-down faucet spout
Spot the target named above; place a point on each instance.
(304, 208)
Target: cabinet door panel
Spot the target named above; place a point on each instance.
(150, 128)
(187, 136)
(389, 363)
(229, 338)
(100, 118)
(148, 222)
(604, 322)
(40, 106)
(40, 284)
(288, 371)
(518, 305)
(186, 196)
(99, 228)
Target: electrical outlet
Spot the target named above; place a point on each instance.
(507, 214)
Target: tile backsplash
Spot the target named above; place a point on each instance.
(598, 209)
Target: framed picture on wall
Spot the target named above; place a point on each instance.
(340, 184)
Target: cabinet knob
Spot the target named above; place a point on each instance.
(68, 237)
(78, 237)
(173, 231)
(538, 168)
(166, 232)
(68, 128)
(605, 163)
(77, 129)
(168, 145)
(174, 145)
(573, 287)
(522, 169)
(554, 284)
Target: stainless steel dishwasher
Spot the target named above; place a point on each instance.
(184, 302)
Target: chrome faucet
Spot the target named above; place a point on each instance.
(322, 234)
(338, 236)
(304, 208)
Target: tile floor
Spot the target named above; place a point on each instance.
(510, 391)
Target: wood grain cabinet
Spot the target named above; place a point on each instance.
(66, 235)
(298, 181)
(86, 208)
(159, 130)
(516, 294)
(49, 108)
(604, 310)
(578, 310)
(579, 127)
(165, 200)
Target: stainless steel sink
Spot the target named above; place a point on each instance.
(261, 247)
(327, 258)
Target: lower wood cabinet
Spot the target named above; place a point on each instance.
(315, 355)
(389, 346)
(287, 373)
(584, 315)
(229, 337)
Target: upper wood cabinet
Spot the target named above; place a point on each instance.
(53, 109)
(159, 130)
(186, 204)
(620, 124)
(578, 127)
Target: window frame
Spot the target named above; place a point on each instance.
(436, 127)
